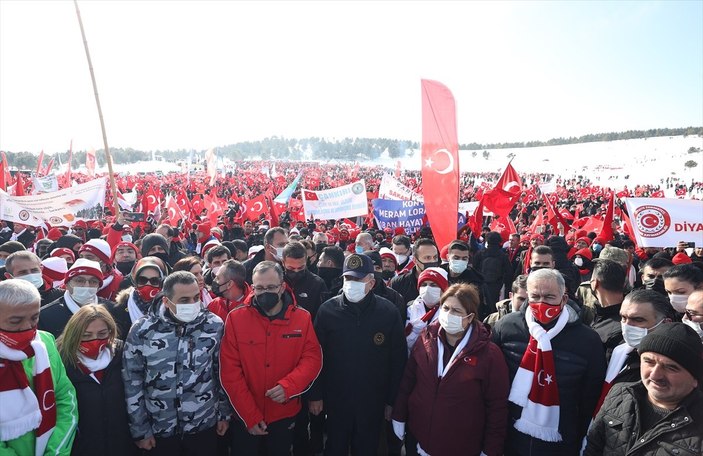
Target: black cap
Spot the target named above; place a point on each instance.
(375, 257)
(358, 266)
(678, 342)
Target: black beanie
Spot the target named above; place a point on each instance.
(150, 240)
(678, 342)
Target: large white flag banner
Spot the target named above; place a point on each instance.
(336, 203)
(64, 207)
(44, 184)
(663, 222)
(392, 189)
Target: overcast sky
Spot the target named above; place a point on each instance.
(187, 74)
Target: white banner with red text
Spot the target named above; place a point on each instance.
(663, 222)
(336, 203)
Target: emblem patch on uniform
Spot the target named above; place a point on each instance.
(379, 338)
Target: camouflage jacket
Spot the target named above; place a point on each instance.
(171, 375)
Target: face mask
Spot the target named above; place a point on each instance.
(187, 312)
(295, 276)
(430, 264)
(148, 292)
(267, 301)
(458, 266)
(695, 326)
(2, 263)
(84, 295)
(656, 284)
(596, 248)
(578, 262)
(18, 340)
(279, 253)
(161, 256)
(633, 335)
(354, 291)
(401, 258)
(127, 238)
(92, 348)
(37, 280)
(678, 302)
(452, 324)
(329, 274)
(387, 275)
(430, 295)
(358, 249)
(217, 288)
(544, 313)
(125, 267)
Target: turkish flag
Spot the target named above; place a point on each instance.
(475, 222)
(606, 231)
(501, 198)
(256, 207)
(657, 194)
(440, 160)
(19, 184)
(39, 163)
(149, 202)
(174, 211)
(310, 195)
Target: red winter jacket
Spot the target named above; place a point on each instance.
(221, 306)
(257, 354)
(466, 411)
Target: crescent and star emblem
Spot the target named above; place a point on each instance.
(548, 313)
(450, 166)
(547, 379)
(254, 208)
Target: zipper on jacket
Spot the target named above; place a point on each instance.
(179, 386)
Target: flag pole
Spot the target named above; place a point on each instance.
(108, 157)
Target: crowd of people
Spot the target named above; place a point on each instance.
(233, 336)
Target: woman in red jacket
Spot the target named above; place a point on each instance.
(454, 393)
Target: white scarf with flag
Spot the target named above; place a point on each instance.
(22, 410)
(534, 387)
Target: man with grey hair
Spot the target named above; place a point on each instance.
(171, 374)
(27, 266)
(364, 242)
(556, 366)
(39, 411)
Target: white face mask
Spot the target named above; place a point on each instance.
(400, 258)
(458, 266)
(84, 295)
(633, 335)
(127, 238)
(187, 312)
(695, 326)
(430, 295)
(578, 262)
(678, 302)
(279, 253)
(452, 324)
(354, 291)
(35, 279)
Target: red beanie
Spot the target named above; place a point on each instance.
(585, 253)
(435, 275)
(63, 251)
(388, 253)
(54, 269)
(85, 267)
(125, 244)
(54, 234)
(681, 258)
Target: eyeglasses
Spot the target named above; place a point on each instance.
(267, 289)
(153, 281)
(80, 281)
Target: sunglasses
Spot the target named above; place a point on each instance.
(153, 281)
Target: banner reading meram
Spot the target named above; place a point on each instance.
(84, 201)
(663, 222)
(397, 213)
(336, 203)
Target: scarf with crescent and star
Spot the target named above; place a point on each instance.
(534, 387)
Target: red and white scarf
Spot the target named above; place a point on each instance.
(22, 409)
(534, 387)
(95, 368)
(617, 362)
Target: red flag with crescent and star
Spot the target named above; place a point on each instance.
(501, 198)
(256, 207)
(440, 160)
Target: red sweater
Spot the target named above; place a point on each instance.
(258, 353)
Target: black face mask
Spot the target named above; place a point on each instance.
(125, 267)
(431, 264)
(266, 301)
(162, 256)
(656, 284)
(387, 275)
(537, 268)
(294, 276)
(329, 274)
(215, 287)
(319, 247)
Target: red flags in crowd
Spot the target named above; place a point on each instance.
(19, 184)
(351, 224)
(3, 172)
(256, 207)
(174, 211)
(49, 166)
(440, 160)
(150, 202)
(606, 231)
(554, 217)
(39, 163)
(476, 220)
(67, 178)
(90, 162)
(501, 198)
(538, 221)
(657, 194)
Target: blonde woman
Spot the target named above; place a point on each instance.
(92, 355)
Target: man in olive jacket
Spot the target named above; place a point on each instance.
(663, 413)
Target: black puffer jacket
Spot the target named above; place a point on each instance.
(580, 369)
(571, 273)
(616, 428)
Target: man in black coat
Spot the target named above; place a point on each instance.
(459, 270)
(579, 366)
(380, 289)
(492, 262)
(27, 266)
(426, 255)
(364, 349)
(275, 241)
(82, 283)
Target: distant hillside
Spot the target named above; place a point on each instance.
(317, 148)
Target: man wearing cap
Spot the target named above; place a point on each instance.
(423, 311)
(27, 266)
(364, 350)
(663, 412)
(99, 251)
(389, 263)
(82, 283)
(155, 245)
(124, 256)
(54, 271)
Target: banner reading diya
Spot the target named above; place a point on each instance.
(663, 222)
(64, 207)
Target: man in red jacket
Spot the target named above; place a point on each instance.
(269, 357)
